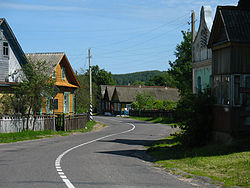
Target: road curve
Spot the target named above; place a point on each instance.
(112, 157)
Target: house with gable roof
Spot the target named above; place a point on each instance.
(12, 58)
(201, 55)
(66, 82)
(230, 44)
(123, 96)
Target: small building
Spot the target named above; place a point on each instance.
(230, 44)
(201, 55)
(123, 96)
(12, 59)
(107, 97)
(66, 81)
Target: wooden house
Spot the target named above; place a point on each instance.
(123, 96)
(12, 59)
(201, 55)
(107, 93)
(230, 44)
(66, 82)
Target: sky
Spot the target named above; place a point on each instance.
(125, 36)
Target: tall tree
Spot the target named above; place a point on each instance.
(181, 69)
(99, 77)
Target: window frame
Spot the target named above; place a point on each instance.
(63, 76)
(5, 49)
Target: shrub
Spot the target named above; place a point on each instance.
(194, 117)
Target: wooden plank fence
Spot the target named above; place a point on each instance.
(18, 123)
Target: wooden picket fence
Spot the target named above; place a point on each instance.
(18, 123)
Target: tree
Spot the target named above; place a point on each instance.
(138, 83)
(36, 85)
(181, 69)
(99, 77)
(164, 79)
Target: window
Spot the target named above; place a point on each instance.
(54, 75)
(246, 96)
(217, 89)
(63, 73)
(66, 102)
(5, 49)
(237, 90)
(225, 90)
(203, 41)
(49, 106)
(199, 84)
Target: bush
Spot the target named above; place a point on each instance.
(148, 102)
(194, 117)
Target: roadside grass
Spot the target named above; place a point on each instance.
(32, 135)
(228, 165)
(161, 120)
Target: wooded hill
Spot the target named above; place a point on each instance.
(125, 79)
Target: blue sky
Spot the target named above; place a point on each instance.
(124, 35)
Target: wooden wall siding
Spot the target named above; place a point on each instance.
(221, 61)
(232, 60)
(59, 96)
(240, 63)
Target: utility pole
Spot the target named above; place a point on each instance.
(192, 42)
(90, 88)
(193, 25)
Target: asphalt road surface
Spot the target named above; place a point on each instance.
(112, 157)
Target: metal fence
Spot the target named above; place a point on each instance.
(18, 123)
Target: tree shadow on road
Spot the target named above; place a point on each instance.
(170, 148)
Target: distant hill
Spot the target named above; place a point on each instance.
(125, 79)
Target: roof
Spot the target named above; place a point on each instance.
(11, 38)
(235, 23)
(128, 93)
(109, 89)
(52, 59)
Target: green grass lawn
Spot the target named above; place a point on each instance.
(161, 120)
(227, 164)
(32, 135)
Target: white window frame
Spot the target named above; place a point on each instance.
(66, 102)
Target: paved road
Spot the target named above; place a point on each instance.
(112, 157)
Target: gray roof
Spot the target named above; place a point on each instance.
(128, 94)
(51, 59)
(236, 24)
(109, 89)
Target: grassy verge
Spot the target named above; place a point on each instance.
(161, 120)
(32, 135)
(227, 164)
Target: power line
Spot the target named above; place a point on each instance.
(156, 28)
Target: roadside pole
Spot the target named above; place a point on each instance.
(90, 88)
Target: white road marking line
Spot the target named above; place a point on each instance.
(58, 160)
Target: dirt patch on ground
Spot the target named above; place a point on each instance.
(98, 127)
